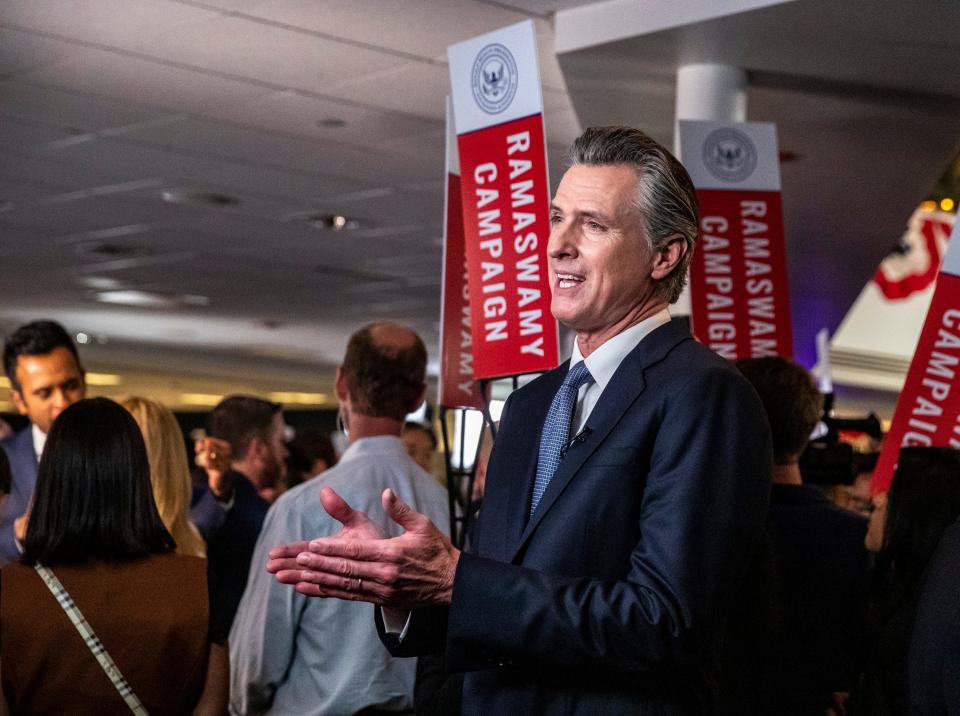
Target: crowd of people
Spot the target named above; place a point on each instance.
(642, 539)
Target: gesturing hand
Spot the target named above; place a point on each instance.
(413, 570)
(356, 526)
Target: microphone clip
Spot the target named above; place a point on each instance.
(576, 440)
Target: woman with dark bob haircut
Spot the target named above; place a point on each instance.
(905, 528)
(94, 525)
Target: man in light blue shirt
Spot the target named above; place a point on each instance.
(290, 654)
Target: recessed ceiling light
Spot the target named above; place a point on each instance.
(149, 299)
(100, 283)
(332, 222)
(199, 198)
(331, 123)
(82, 338)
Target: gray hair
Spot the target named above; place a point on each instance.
(666, 199)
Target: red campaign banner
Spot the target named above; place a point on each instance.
(505, 194)
(457, 389)
(738, 276)
(928, 411)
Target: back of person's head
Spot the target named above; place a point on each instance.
(923, 501)
(169, 473)
(238, 419)
(93, 499)
(790, 399)
(385, 368)
(38, 338)
(311, 452)
(420, 441)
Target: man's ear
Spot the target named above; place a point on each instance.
(668, 256)
(257, 449)
(340, 385)
(17, 397)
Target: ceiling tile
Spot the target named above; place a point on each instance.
(108, 74)
(423, 28)
(67, 109)
(295, 113)
(23, 51)
(424, 89)
(118, 23)
(268, 54)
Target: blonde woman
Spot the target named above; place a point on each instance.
(169, 474)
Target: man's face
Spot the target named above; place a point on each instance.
(49, 384)
(600, 263)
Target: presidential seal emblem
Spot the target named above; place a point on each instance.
(494, 78)
(729, 155)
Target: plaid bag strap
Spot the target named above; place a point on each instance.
(91, 639)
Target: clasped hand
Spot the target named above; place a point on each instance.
(360, 563)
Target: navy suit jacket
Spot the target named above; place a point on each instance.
(612, 597)
(23, 468)
(231, 538)
(933, 680)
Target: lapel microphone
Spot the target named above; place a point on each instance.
(577, 439)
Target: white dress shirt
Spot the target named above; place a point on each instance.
(39, 440)
(605, 360)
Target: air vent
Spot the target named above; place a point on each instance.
(116, 251)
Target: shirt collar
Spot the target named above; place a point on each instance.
(375, 445)
(604, 361)
(39, 440)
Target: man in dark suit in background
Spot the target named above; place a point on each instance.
(46, 377)
(933, 679)
(820, 579)
(229, 510)
(605, 562)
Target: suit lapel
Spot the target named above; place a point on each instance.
(527, 428)
(621, 392)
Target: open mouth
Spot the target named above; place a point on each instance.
(569, 280)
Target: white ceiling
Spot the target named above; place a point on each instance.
(106, 104)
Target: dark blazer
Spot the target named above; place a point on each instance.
(23, 469)
(230, 542)
(822, 581)
(933, 681)
(611, 598)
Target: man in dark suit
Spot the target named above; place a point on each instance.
(820, 575)
(605, 562)
(46, 377)
(933, 679)
(229, 510)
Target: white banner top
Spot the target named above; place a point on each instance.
(732, 156)
(951, 262)
(495, 78)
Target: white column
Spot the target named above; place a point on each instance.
(709, 92)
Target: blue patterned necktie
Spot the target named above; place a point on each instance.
(556, 429)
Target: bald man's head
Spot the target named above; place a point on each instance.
(385, 368)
